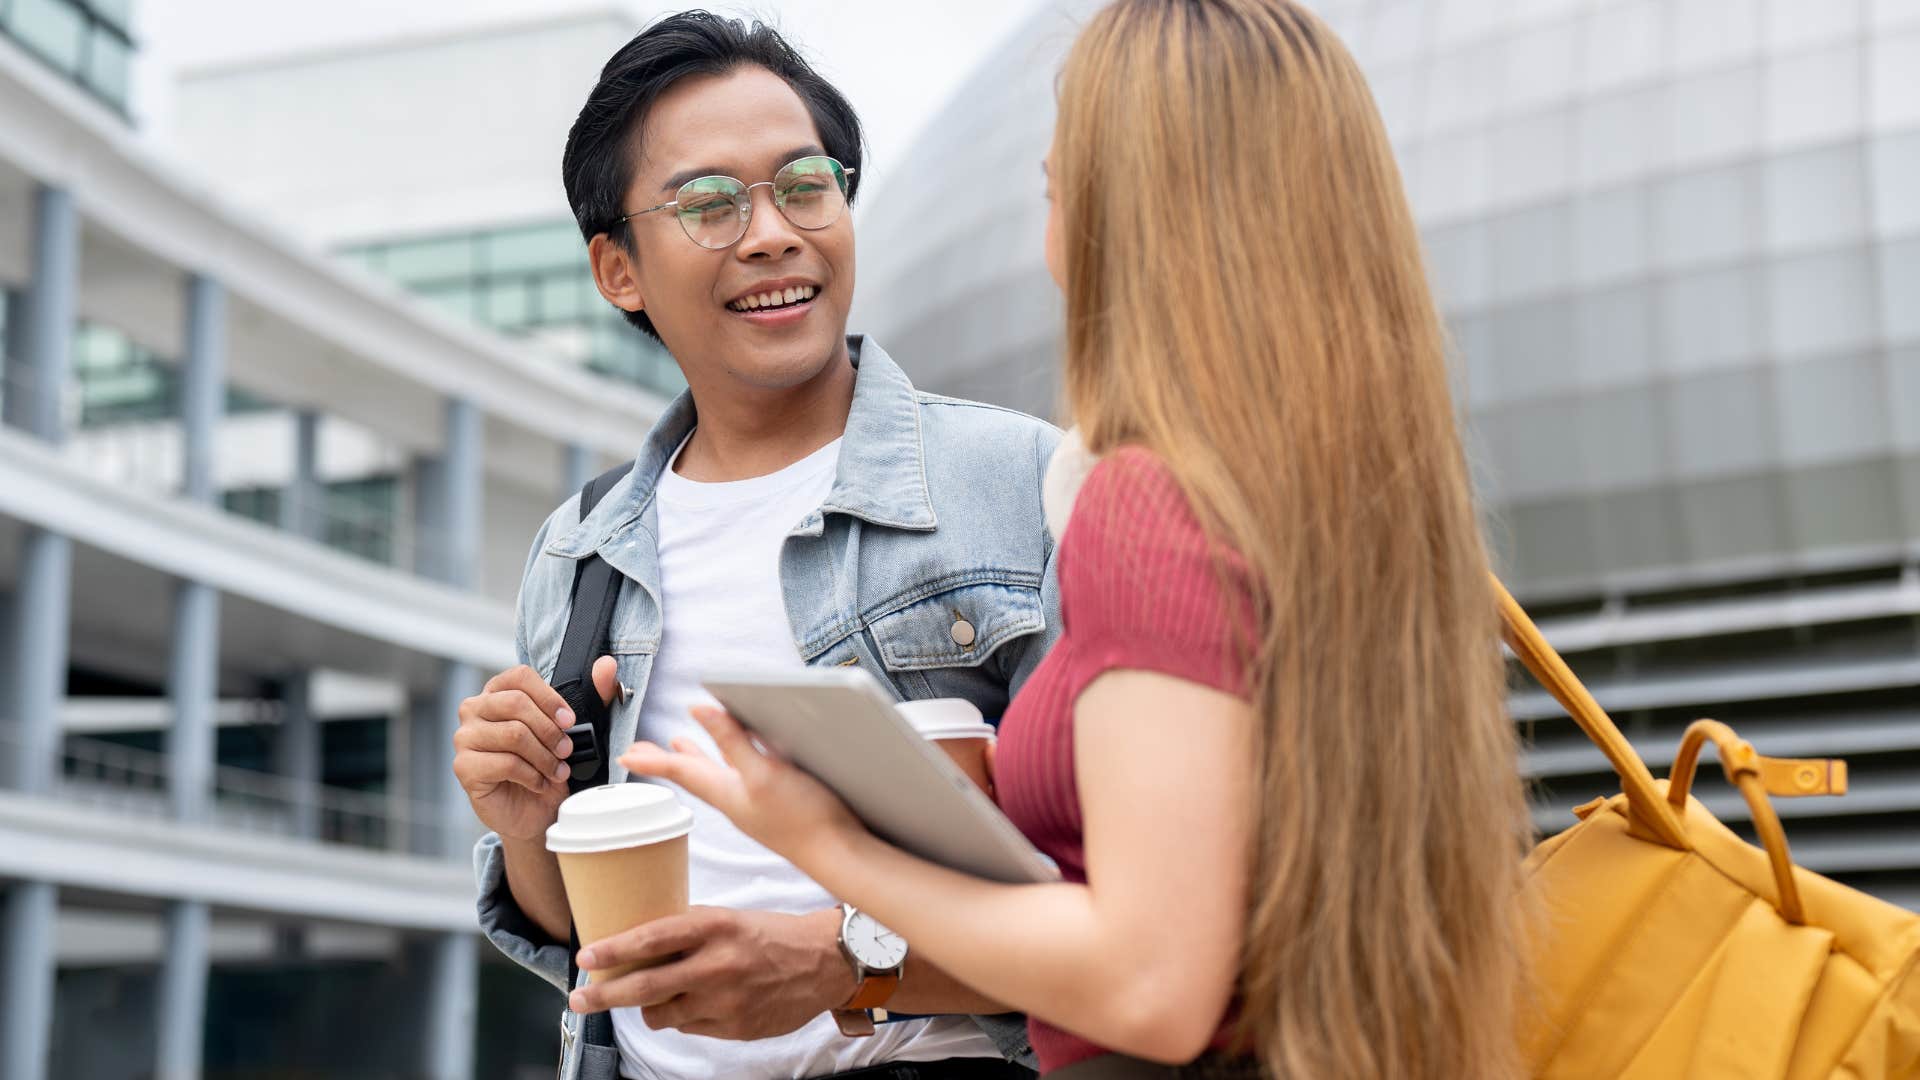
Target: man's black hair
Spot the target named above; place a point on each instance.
(597, 167)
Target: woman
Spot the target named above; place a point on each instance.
(1269, 751)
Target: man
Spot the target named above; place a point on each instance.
(801, 504)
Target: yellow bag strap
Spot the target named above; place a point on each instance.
(1757, 776)
(1651, 812)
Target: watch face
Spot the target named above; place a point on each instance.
(875, 946)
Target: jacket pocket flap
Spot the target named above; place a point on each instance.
(958, 627)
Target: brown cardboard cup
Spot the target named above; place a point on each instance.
(954, 725)
(623, 855)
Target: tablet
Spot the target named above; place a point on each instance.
(840, 726)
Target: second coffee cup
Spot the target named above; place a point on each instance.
(623, 856)
(956, 726)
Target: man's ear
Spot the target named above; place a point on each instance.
(614, 273)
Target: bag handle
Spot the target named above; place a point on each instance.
(1645, 806)
(1757, 776)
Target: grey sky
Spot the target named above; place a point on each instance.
(898, 60)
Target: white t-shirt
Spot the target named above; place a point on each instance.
(722, 608)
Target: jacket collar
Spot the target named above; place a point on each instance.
(881, 477)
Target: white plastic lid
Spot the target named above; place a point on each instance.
(946, 718)
(614, 816)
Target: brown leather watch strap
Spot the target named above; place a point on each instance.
(855, 1018)
(873, 992)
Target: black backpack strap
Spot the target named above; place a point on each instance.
(596, 588)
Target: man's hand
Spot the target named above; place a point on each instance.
(511, 746)
(738, 975)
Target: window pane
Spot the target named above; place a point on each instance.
(1460, 89)
(1530, 252)
(1458, 259)
(1849, 504)
(1619, 433)
(431, 260)
(1533, 350)
(55, 30)
(1731, 517)
(1793, 25)
(1532, 157)
(1708, 33)
(1536, 448)
(1888, 14)
(1454, 176)
(1707, 216)
(1833, 409)
(539, 248)
(1619, 137)
(1903, 393)
(1716, 116)
(459, 301)
(507, 304)
(1896, 90)
(117, 12)
(108, 59)
(1711, 319)
(1821, 303)
(1814, 97)
(562, 299)
(1610, 235)
(1722, 423)
(1622, 44)
(1816, 199)
(1896, 176)
(1614, 336)
(1899, 285)
(1540, 68)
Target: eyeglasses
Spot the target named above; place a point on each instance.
(715, 210)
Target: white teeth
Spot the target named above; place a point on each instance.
(791, 295)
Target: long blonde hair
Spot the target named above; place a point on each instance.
(1246, 297)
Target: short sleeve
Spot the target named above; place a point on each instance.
(1143, 587)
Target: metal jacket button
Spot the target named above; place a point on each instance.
(963, 633)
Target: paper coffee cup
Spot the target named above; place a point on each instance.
(623, 856)
(956, 725)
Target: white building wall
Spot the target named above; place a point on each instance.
(446, 133)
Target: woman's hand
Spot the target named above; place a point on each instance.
(767, 798)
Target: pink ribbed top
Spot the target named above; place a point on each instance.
(1139, 589)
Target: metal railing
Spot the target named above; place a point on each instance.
(125, 779)
(145, 453)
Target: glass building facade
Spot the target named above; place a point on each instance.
(1678, 246)
(88, 41)
(529, 282)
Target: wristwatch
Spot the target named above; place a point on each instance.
(879, 957)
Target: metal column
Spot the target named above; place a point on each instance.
(193, 683)
(46, 314)
(38, 636)
(183, 993)
(579, 470)
(460, 500)
(26, 992)
(300, 507)
(297, 751)
(41, 344)
(203, 385)
(453, 992)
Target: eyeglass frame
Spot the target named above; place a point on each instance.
(746, 189)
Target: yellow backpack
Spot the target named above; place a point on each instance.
(1670, 947)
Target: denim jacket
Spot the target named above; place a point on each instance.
(934, 518)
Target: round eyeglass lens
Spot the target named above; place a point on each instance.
(811, 192)
(713, 210)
